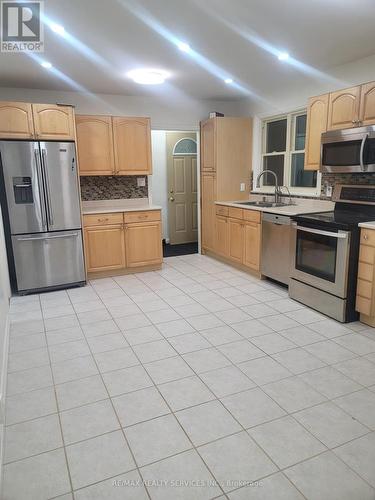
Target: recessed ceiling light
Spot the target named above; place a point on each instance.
(57, 28)
(228, 80)
(283, 56)
(148, 76)
(46, 64)
(184, 47)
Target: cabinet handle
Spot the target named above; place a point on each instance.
(103, 220)
(365, 237)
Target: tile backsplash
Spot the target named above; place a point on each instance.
(332, 179)
(105, 187)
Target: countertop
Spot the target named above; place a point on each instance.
(302, 206)
(367, 225)
(123, 205)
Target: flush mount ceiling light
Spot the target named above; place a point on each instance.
(57, 28)
(283, 56)
(184, 47)
(148, 76)
(46, 64)
(228, 81)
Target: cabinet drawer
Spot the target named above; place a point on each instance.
(235, 213)
(150, 216)
(365, 271)
(221, 210)
(251, 215)
(364, 288)
(368, 237)
(363, 305)
(366, 254)
(102, 219)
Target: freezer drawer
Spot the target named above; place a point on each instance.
(48, 259)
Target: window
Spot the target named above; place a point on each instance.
(283, 152)
(185, 147)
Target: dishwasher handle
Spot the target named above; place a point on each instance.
(280, 220)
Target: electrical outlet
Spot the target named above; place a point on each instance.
(242, 187)
(141, 181)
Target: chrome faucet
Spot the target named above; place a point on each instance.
(277, 190)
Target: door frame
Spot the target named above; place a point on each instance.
(197, 133)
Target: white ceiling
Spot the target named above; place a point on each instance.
(230, 38)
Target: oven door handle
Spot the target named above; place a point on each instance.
(361, 161)
(340, 235)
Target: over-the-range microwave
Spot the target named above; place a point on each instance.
(348, 150)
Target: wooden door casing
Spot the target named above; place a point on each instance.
(95, 145)
(16, 120)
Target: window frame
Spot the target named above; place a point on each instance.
(288, 154)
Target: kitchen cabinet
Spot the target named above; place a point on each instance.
(343, 110)
(236, 240)
(143, 244)
(238, 236)
(365, 300)
(367, 104)
(252, 238)
(105, 248)
(317, 116)
(222, 236)
(117, 242)
(95, 145)
(53, 122)
(226, 154)
(16, 120)
(208, 145)
(132, 145)
(208, 196)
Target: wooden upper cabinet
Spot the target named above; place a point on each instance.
(317, 115)
(143, 244)
(252, 237)
(208, 145)
(132, 145)
(367, 107)
(343, 109)
(16, 120)
(53, 122)
(95, 145)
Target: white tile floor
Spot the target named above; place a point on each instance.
(194, 382)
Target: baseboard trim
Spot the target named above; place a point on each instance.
(230, 262)
(123, 272)
(3, 386)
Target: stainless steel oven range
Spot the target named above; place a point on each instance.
(324, 253)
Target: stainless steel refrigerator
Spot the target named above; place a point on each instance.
(41, 213)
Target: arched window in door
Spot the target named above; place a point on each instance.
(185, 146)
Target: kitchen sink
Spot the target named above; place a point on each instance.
(265, 204)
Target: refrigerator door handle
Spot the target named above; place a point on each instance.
(55, 237)
(40, 187)
(47, 188)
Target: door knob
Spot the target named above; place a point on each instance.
(171, 198)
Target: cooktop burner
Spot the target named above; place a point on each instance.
(339, 219)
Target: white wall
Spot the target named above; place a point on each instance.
(166, 113)
(158, 180)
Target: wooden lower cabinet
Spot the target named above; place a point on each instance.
(252, 240)
(105, 248)
(365, 300)
(222, 236)
(113, 242)
(208, 196)
(143, 244)
(236, 240)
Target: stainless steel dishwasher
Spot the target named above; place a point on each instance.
(276, 247)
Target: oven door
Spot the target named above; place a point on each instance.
(320, 258)
(351, 150)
